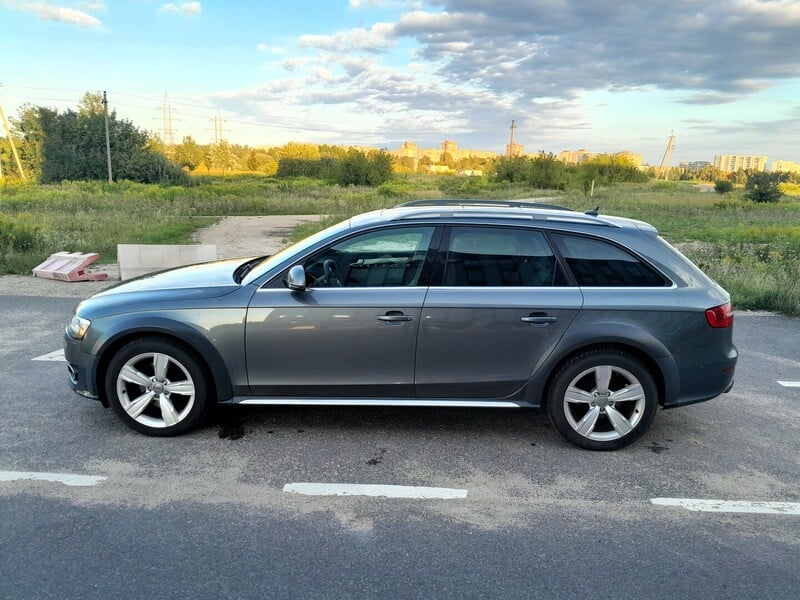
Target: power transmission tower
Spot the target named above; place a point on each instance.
(218, 129)
(166, 118)
(11, 141)
(108, 139)
(666, 161)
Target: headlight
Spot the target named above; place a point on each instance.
(78, 327)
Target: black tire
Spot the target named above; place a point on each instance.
(602, 419)
(165, 405)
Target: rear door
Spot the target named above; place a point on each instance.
(501, 306)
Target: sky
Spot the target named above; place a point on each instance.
(605, 75)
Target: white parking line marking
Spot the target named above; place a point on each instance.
(383, 491)
(790, 383)
(730, 506)
(65, 478)
(55, 355)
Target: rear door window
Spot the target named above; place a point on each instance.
(499, 257)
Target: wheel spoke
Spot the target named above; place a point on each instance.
(586, 425)
(602, 377)
(184, 388)
(167, 411)
(160, 365)
(620, 424)
(578, 396)
(131, 375)
(135, 408)
(628, 394)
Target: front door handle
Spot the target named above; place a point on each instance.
(394, 316)
(539, 319)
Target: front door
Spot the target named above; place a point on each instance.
(353, 332)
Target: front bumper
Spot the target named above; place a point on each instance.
(81, 369)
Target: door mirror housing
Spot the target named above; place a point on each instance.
(296, 279)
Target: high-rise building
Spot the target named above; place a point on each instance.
(785, 166)
(730, 163)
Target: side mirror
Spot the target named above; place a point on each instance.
(296, 279)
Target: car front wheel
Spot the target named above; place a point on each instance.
(157, 387)
(602, 400)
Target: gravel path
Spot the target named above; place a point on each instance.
(233, 236)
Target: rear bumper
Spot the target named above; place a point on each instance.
(704, 381)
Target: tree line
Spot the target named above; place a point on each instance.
(56, 146)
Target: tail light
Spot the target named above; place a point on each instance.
(720, 316)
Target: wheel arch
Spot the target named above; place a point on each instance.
(622, 338)
(174, 332)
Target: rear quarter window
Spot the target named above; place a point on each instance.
(597, 263)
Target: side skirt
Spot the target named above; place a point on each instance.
(454, 403)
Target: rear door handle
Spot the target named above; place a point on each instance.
(539, 319)
(394, 316)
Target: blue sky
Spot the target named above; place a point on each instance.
(605, 75)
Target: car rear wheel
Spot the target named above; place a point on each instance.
(157, 387)
(602, 400)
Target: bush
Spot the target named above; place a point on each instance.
(723, 186)
(763, 187)
(357, 168)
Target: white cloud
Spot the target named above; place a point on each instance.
(262, 47)
(51, 12)
(375, 39)
(188, 9)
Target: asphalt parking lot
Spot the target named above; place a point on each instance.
(207, 514)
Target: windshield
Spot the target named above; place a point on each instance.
(273, 261)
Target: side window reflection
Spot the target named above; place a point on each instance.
(383, 258)
(499, 257)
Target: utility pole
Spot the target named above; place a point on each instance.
(511, 143)
(11, 142)
(666, 161)
(108, 139)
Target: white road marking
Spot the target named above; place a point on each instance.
(65, 478)
(55, 355)
(383, 491)
(790, 383)
(730, 506)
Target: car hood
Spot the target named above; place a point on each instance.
(214, 277)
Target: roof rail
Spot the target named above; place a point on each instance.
(487, 203)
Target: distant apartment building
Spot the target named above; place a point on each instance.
(695, 165)
(576, 157)
(411, 150)
(785, 166)
(515, 149)
(730, 163)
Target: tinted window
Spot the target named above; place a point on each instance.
(489, 256)
(599, 264)
(389, 257)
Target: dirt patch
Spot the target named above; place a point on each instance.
(233, 236)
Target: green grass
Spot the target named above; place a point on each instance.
(753, 250)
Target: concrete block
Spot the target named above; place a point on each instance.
(140, 259)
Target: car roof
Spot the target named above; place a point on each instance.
(481, 210)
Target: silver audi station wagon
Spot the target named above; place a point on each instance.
(433, 303)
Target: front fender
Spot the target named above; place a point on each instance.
(112, 333)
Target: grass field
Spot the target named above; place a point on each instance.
(753, 250)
